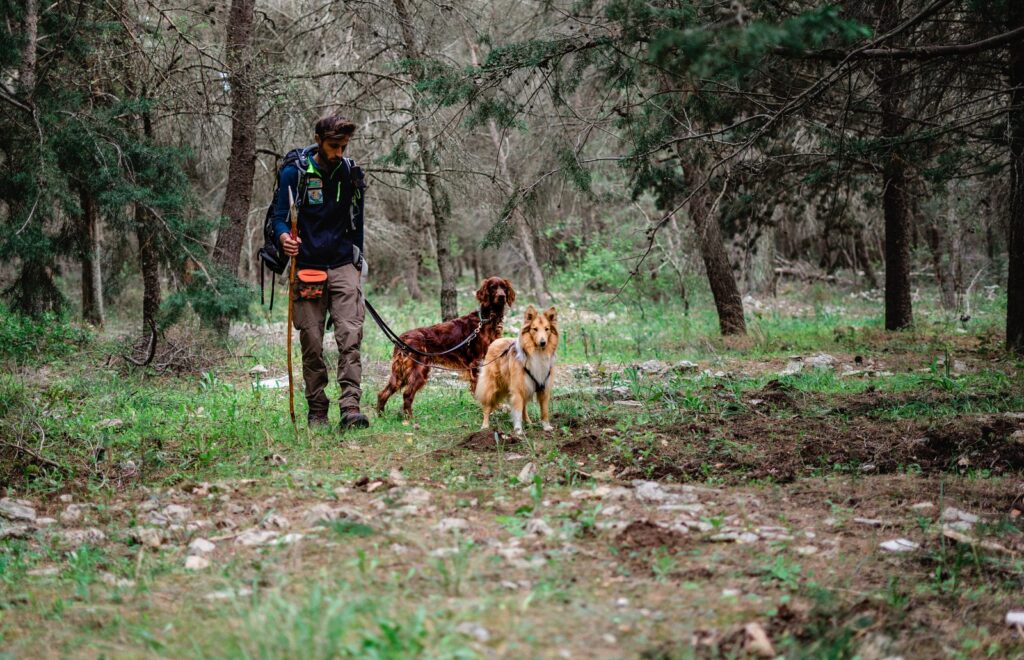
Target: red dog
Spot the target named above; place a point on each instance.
(411, 371)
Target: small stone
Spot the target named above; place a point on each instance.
(1015, 618)
(228, 594)
(258, 370)
(147, 536)
(609, 638)
(684, 366)
(17, 510)
(288, 539)
(200, 547)
(652, 366)
(792, 368)
(441, 553)
(45, 522)
(474, 630)
(899, 545)
(276, 521)
(67, 499)
(71, 515)
(397, 478)
(922, 506)
(76, 537)
(821, 361)
(650, 491)
(374, 486)
(112, 423)
(757, 641)
(806, 550)
(870, 522)
(622, 602)
(177, 513)
(747, 538)
(954, 514)
(527, 473)
(254, 537)
(453, 525)
(15, 531)
(538, 527)
(731, 593)
(415, 496)
(115, 581)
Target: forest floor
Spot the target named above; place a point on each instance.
(820, 489)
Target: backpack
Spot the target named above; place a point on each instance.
(270, 255)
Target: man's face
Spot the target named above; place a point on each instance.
(332, 149)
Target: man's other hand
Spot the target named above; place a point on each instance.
(290, 245)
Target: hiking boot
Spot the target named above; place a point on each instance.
(353, 419)
(316, 419)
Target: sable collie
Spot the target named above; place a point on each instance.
(516, 369)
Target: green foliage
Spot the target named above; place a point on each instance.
(222, 295)
(24, 339)
(573, 171)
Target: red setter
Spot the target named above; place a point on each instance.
(411, 371)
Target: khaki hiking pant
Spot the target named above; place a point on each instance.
(343, 297)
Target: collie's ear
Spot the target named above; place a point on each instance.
(481, 293)
(529, 314)
(511, 292)
(551, 314)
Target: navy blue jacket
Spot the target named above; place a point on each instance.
(330, 213)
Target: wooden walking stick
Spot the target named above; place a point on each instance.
(291, 308)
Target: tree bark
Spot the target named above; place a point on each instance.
(92, 274)
(1015, 239)
(891, 87)
(440, 204)
(27, 69)
(942, 263)
(242, 164)
(722, 280)
(149, 264)
(860, 249)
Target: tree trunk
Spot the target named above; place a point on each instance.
(1015, 239)
(891, 88)
(722, 280)
(242, 164)
(860, 249)
(27, 69)
(942, 263)
(89, 245)
(149, 264)
(440, 204)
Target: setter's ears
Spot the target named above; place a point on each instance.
(511, 293)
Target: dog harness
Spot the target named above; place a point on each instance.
(538, 386)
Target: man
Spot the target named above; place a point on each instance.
(328, 192)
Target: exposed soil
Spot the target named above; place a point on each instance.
(646, 535)
(489, 440)
(819, 436)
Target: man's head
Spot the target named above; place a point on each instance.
(332, 135)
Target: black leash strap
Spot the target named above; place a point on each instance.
(397, 341)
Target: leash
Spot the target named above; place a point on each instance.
(461, 369)
(395, 339)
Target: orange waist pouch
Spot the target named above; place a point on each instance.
(311, 283)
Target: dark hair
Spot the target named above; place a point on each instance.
(334, 126)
